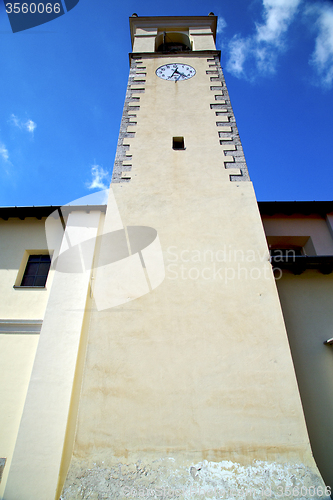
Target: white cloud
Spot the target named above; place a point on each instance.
(278, 15)
(264, 45)
(28, 126)
(4, 152)
(221, 24)
(99, 178)
(322, 57)
(238, 51)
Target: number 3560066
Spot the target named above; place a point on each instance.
(32, 8)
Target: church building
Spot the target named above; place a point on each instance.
(170, 337)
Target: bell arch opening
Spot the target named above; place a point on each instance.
(172, 42)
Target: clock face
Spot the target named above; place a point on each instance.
(175, 71)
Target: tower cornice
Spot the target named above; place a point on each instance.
(187, 53)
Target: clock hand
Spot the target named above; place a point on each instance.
(180, 74)
(173, 74)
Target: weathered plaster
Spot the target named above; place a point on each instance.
(171, 478)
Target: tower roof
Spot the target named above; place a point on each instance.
(172, 23)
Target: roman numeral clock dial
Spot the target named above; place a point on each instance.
(175, 72)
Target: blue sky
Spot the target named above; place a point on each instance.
(63, 86)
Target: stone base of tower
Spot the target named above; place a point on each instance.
(173, 476)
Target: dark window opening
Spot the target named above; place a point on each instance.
(178, 143)
(172, 42)
(36, 271)
(172, 47)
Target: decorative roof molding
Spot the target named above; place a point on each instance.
(44, 211)
(295, 207)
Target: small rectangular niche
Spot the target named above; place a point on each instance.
(178, 143)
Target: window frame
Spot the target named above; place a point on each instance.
(23, 266)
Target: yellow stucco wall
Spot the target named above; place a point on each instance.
(306, 301)
(18, 237)
(17, 354)
(313, 226)
(307, 308)
(190, 366)
(41, 438)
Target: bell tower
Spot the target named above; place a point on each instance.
(186, 102)
(190, 380)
